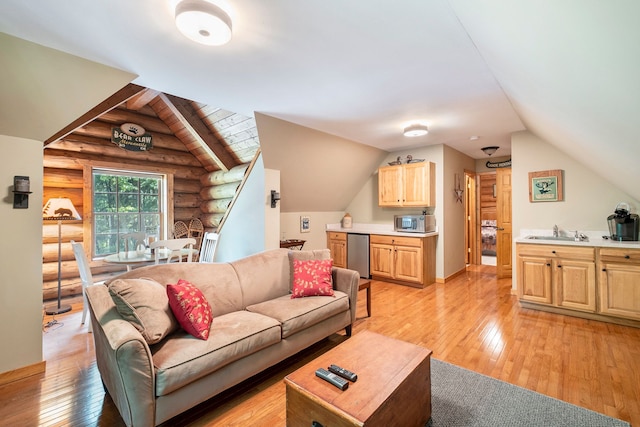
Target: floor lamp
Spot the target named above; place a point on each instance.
(59, 209)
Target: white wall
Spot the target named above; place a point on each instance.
(245, 231)
(453, 212)
(20, 256)
(588, 198)
(316, 238)
(271, 215)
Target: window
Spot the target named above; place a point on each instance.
(125, 202)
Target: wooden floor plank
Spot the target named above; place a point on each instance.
(473, 321)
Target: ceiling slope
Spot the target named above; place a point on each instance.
(570, 69)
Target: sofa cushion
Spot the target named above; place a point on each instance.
(181, 360)
(191, 308)
(218, 282)
(300, 313)
(144, 303)
(312, 278)
(263, 276)
(305, 256)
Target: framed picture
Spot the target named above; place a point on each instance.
(545, 186)
(305, 224)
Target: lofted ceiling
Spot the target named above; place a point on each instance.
(364, 69)
(219, 139)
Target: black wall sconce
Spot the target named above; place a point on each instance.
(21, 192)
(275, 196)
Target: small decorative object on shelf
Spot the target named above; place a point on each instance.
(346, 221)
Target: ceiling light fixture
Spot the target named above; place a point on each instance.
(416, 130)
(490, 150)
(203, 22)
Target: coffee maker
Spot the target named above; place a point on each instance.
(622, 224)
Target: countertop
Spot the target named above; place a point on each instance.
(595, 240)
(382, 229)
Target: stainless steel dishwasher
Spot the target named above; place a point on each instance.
(358, 253)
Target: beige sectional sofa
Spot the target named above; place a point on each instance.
(256, 324)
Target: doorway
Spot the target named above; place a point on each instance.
(488, 217)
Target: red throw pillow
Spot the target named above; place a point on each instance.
(312, 278)
(191, 308)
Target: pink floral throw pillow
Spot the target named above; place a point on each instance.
(191, 308)
(312, 278)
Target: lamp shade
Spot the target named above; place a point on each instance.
(60, 208)
(416, 130)
(203, 22)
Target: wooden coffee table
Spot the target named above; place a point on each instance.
(393, 386)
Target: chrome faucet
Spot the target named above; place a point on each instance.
(555, 231)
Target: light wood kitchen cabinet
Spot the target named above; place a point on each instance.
(619, 282)
(337, 244)
(559, 276)
(407, 260)
(411, 184)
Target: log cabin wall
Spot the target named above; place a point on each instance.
(487, 196)
(64, 162)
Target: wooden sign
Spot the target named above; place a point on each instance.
(132, 137)
(504, 164)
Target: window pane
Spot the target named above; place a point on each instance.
(149, 185)
(129, 223)
(104, 183)
(106, 224)
(106, 244)
(127, 203)
(150, 204)
(151, 224)
(104, 202)
(128, 184)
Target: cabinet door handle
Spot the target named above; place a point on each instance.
(604, 269)
(499, 228)
(548, 265)
(553, 252)
(627, 257)
(559, 266)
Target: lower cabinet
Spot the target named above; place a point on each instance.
(619, 282)
(408, 260)
(337, 244)
(559, 276)
(598, 283)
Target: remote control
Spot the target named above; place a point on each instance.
(341, 383)
(343, 373)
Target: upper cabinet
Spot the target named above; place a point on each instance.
(411, 184)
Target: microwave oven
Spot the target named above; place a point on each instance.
(414, 223)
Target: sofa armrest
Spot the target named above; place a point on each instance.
(347, 281)
(124, 360)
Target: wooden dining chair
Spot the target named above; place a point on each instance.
(208, 248)
(177, 248)
(85, 276)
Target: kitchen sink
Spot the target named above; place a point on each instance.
(560, 238)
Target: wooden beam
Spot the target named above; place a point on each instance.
(110, 103)
(188, 117)
(141, 99)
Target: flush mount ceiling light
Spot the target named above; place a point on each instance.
(490, 150)
(203, 22)
(416, 130)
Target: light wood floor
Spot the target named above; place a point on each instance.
(472, 321)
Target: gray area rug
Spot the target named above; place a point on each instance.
(460, 397)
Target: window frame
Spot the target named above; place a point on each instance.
(166, 208)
